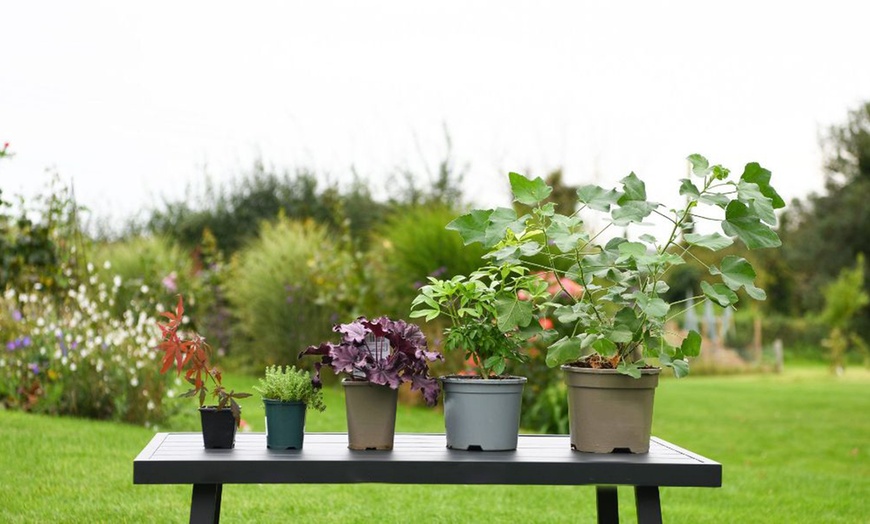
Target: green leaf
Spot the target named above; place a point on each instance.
(751, 195)
(628, 368)
(736, 272)
(741, 222)
(700, 165)
(505, 253)
(691, 346)
(530, 248)
(688, 188)
(652, 307)
(634, 250)
(471, 226)
(756, 174)
(560, 232)
(713, 242)
(597, 198)
(511, 312)
(719, 293)
(500, 221)
(620, 336)
(634, 189)
(681, 367)
(626, 320)
(633, 211)
(528, 192)
(714, 199)
(604, 346)
(564, 350)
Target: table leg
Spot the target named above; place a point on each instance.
(649, 506)
(607, 503)
(205, 504)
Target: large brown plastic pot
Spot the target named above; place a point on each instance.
(608, 411)
(371, 414)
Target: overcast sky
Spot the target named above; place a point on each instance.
(134, 100)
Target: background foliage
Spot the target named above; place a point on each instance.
(269, 262)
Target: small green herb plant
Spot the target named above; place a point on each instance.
(490, 312)
(290, 384)
(621, 315)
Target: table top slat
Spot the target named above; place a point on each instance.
(179, 458)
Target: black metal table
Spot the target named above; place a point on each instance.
(179, 458)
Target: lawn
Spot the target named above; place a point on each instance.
(794, 448)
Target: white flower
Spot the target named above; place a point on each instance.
(90, 268)
(117, 281)
(151, 405)
(107, 265)
(144, 288)
(37, 286)
(40, 322)
(72, 367)
(134, 382)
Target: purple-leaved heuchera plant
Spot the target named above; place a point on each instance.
(382, 351)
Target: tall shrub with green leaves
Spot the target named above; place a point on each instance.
(845, 298)
(272, 290)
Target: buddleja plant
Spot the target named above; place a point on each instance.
(620, 317)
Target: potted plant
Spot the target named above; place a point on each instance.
(287, 393)
(378, 355)
(192, 355)
(490, 316)
(621, 318)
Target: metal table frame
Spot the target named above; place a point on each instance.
(179, 458)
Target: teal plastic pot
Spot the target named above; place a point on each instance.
(285, 424)
(480, 414)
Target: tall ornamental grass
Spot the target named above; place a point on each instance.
(272, 291)
(414, 245)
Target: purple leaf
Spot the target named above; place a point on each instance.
(355, 332)
(429, 387)
(384, 377)
(345, 357)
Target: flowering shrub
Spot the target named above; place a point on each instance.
(68, 354)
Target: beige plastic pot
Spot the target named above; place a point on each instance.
(608, 411)
(371, 414)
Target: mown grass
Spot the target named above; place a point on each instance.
(794, 449)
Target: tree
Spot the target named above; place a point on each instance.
(825, 233)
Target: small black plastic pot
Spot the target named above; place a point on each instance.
(218, 427)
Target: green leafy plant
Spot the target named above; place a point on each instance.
(620, 317)
(490, 312)
(194, 354)
(290, 384)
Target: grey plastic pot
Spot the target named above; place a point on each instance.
(609, 411)
(285, 424)
(371, 414)
(482, 414)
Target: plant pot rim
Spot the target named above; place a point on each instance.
(350, 382)
(600, 371)
(476, 379)
(276, 401)
(215, 408)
